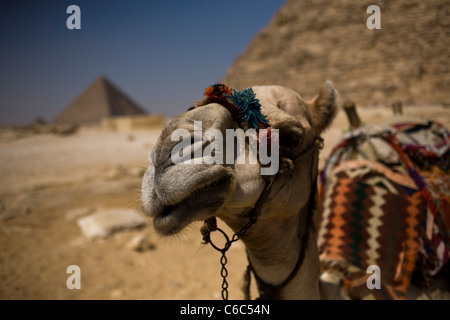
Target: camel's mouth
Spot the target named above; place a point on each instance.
(199, 205)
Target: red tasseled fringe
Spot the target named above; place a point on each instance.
(217, 90)
(234, 110)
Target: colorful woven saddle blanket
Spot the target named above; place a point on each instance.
(385, 202)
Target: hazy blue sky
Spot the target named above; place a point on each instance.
(161, 53)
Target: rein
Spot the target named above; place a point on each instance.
(273, 292)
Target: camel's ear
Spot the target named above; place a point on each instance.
(323, 108)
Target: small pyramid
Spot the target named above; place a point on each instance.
(100, 100)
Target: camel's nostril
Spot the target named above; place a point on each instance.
(167, 210)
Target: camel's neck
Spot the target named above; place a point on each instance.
(277, 242)
(275, 255)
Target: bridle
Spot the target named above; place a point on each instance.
(267, 291)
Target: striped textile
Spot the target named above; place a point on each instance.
(385, 201)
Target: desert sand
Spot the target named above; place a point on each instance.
(50, 181)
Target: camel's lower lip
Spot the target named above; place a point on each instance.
(198, 205)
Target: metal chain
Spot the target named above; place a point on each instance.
(210, 225)
(224, 274)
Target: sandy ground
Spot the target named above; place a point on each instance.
(49, 181)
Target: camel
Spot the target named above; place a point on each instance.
(284, 259)
(276, 217)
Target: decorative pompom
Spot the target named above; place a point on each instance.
(217, 90)
(243, 105)
(249, 107)
(234, 110)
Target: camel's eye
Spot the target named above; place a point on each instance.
(290, 138)
(290, 141)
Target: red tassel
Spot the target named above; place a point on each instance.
(217, 90)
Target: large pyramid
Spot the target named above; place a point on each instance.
(100, 100)
(309, 41)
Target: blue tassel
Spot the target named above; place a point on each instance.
(249, 106)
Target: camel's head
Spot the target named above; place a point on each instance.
(196, 171)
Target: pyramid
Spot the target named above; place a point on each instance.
(310, 41)
(100, 100)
